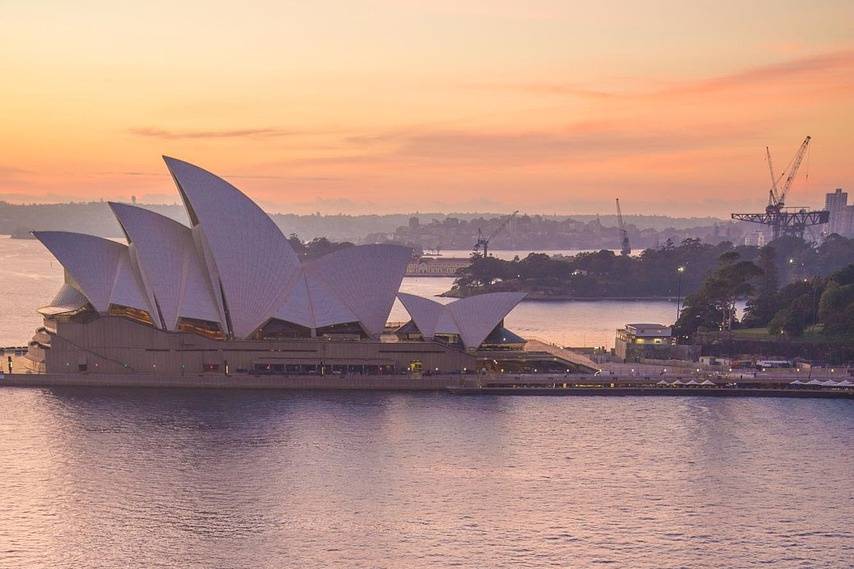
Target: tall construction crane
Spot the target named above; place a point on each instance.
(482, 242)
(625, 248)
(777, 199)
(773, 192)
(785, 220)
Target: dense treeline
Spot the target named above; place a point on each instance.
(597, 274)
(316, 247)
(653, 273)
(790, 287)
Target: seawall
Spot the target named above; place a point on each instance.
(376, 383)
(537, 385)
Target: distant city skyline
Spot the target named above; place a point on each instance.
(399, 106)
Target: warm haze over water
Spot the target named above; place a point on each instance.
(380, 105)
(206, 393)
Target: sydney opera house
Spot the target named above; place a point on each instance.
(227, 294)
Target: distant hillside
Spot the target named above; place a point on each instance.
(95, 218)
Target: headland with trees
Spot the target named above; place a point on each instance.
(798, 297)
(668, 271)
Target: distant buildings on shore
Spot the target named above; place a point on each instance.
(755, 239)
(436, 266)
(644, 341)
(841, 214)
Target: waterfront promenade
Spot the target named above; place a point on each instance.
(236, 381)
(490, 384)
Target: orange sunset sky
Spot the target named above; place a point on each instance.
(399, 105)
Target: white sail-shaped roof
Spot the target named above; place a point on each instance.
(127, 286)
(445, 323)
(171, 270)
(310, 303)
(297, 307)
(327, 308)
(233, 267)
(477, 316)
(90, 263)
(473, 318)
(365, 279)
(68, 299)
(424, 312)
(251, 258)
(199, 300)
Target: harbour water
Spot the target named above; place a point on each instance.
(29, 277)
(111, 478)
(566, 323)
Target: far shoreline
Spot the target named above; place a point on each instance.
(538, 297)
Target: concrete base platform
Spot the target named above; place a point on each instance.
(361, 382)
(656, 392)
(531, 385)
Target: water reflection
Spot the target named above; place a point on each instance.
(101, 477)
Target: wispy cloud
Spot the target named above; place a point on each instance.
(632, 123)
(165, 174)
(12, 172)
(591, 141)
(267, 132)
(837, 65)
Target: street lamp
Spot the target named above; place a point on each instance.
(679, 270)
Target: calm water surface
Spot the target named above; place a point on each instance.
(114, 478)
(29, 277)
(140, 478)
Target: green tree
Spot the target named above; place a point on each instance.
(762, 307)
(482, 272)
(836, 307)
(713, 306)
(793, 319)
